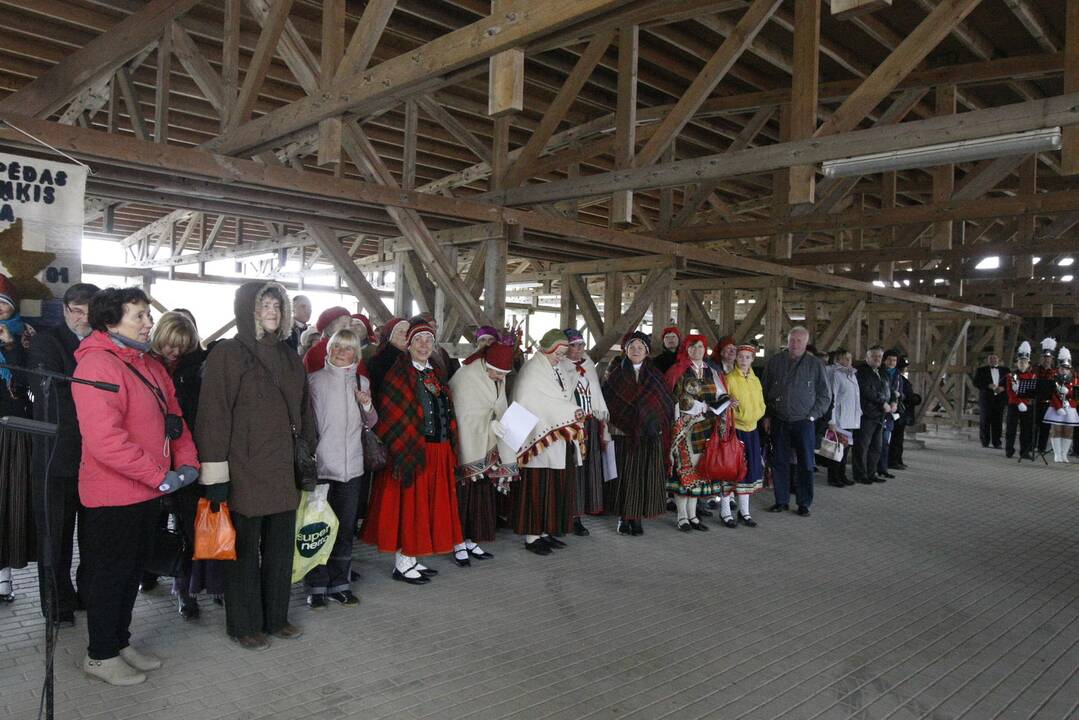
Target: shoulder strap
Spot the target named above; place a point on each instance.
(288, 407)
(158, 395)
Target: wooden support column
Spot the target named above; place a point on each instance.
(494, 278)
(408, 162)
(442, 307)
(625, 124)
(506, 75)
(943, 175)
(1069, 160)
(402, 293)
(333, 49)
(666, 194)
(726, 313)
(161, 100)
(1028, 186)
(782, 243)
(230, 60)
(568, 316)
(886, 269)
(773, 320)
(662, 306)
(803, 107)
(612, 298)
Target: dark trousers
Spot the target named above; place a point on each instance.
(895, 451)
(793, 442)
(64, 509)
(990, 417)
(867, 439)
(335, 575)
(837, 469)
(257, 582)
(885, 445)
(1043, 427)
(1024, 423)
(115, 543)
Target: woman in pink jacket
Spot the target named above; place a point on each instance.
(135, 448)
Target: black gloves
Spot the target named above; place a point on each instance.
(217, 493)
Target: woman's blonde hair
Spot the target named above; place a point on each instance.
(344, 339)
(174, 329)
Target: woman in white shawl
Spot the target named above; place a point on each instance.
(543, 502)
(485, 466)
(589, 397)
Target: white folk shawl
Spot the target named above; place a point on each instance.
(537, 389)
(476, 403)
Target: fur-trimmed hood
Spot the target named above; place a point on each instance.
(248, 297)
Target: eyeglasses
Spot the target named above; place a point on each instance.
(77, 311)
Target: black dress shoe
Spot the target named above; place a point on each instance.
(189, 608)
(730, 522)
(698, 525)
(421, 580)
(879, 478)
(554, 542)
(538, 547)
(345, 597)
(317, 601)
(746, 520)
(481, 555)
(701, 512)
(836, 483)
(803, 511)
(466, 562)
(636, 527)
(671, 507)
(427, 572)
(148, 584)
(886, 475)
(684, 526)
(847, 481)
(777, 508)
(579, 529)
(625, 527)
(865, 481)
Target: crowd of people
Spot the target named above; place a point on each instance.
(405, 443)
(1037, 403)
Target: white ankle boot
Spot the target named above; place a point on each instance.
(142, 661)
(114, 671)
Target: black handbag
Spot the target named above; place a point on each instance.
(374, 452)
(168, 553)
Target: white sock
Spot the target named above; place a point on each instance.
(691, 508)
(529, 539)
(460, 547)
(476, 549)
(680, 502)
(470, 546)
(406, 565)
(725, 506)
(743, 505)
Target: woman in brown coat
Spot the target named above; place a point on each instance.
(254, 395)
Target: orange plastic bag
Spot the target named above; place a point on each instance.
(215, 537)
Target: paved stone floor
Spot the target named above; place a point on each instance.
(951, 592)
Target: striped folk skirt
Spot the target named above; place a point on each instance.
(18, 544)
(423, 518)
(590, 474)
(642, 477)
(477, 500)
(544, 500)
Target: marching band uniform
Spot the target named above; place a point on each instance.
(1047, 374)
(1020, 413)
(1062, 414)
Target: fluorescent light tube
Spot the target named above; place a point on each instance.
(1023, 143)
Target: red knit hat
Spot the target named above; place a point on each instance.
(499, 357)
(328, 316)
(366, 323)
(419, 329)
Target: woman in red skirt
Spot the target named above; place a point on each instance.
(414, 505)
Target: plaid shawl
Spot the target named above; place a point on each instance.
(400, 419)
(639, 407)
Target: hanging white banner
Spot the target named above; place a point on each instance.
(41, 213)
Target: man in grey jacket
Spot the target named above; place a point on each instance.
(796, 394)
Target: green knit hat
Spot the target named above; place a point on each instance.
(552, 339)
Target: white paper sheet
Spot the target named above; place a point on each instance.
(518, 422)
(610, 466)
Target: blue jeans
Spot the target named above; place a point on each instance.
(793, 440)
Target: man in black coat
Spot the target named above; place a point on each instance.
(876, 396)
(992, 399)
(54, 349)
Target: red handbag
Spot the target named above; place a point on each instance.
(724, 458)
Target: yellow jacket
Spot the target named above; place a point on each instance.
(747, 391)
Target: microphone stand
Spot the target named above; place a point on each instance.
(48, 430)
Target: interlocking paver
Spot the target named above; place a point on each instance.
(951, 592)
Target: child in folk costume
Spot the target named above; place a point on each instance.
(748, 402)
(699, 393)
(485, 467)
(543, 502)
(1020, 414)
(641, 409)
(589, 398)
(1062, 415)
(414, 504)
